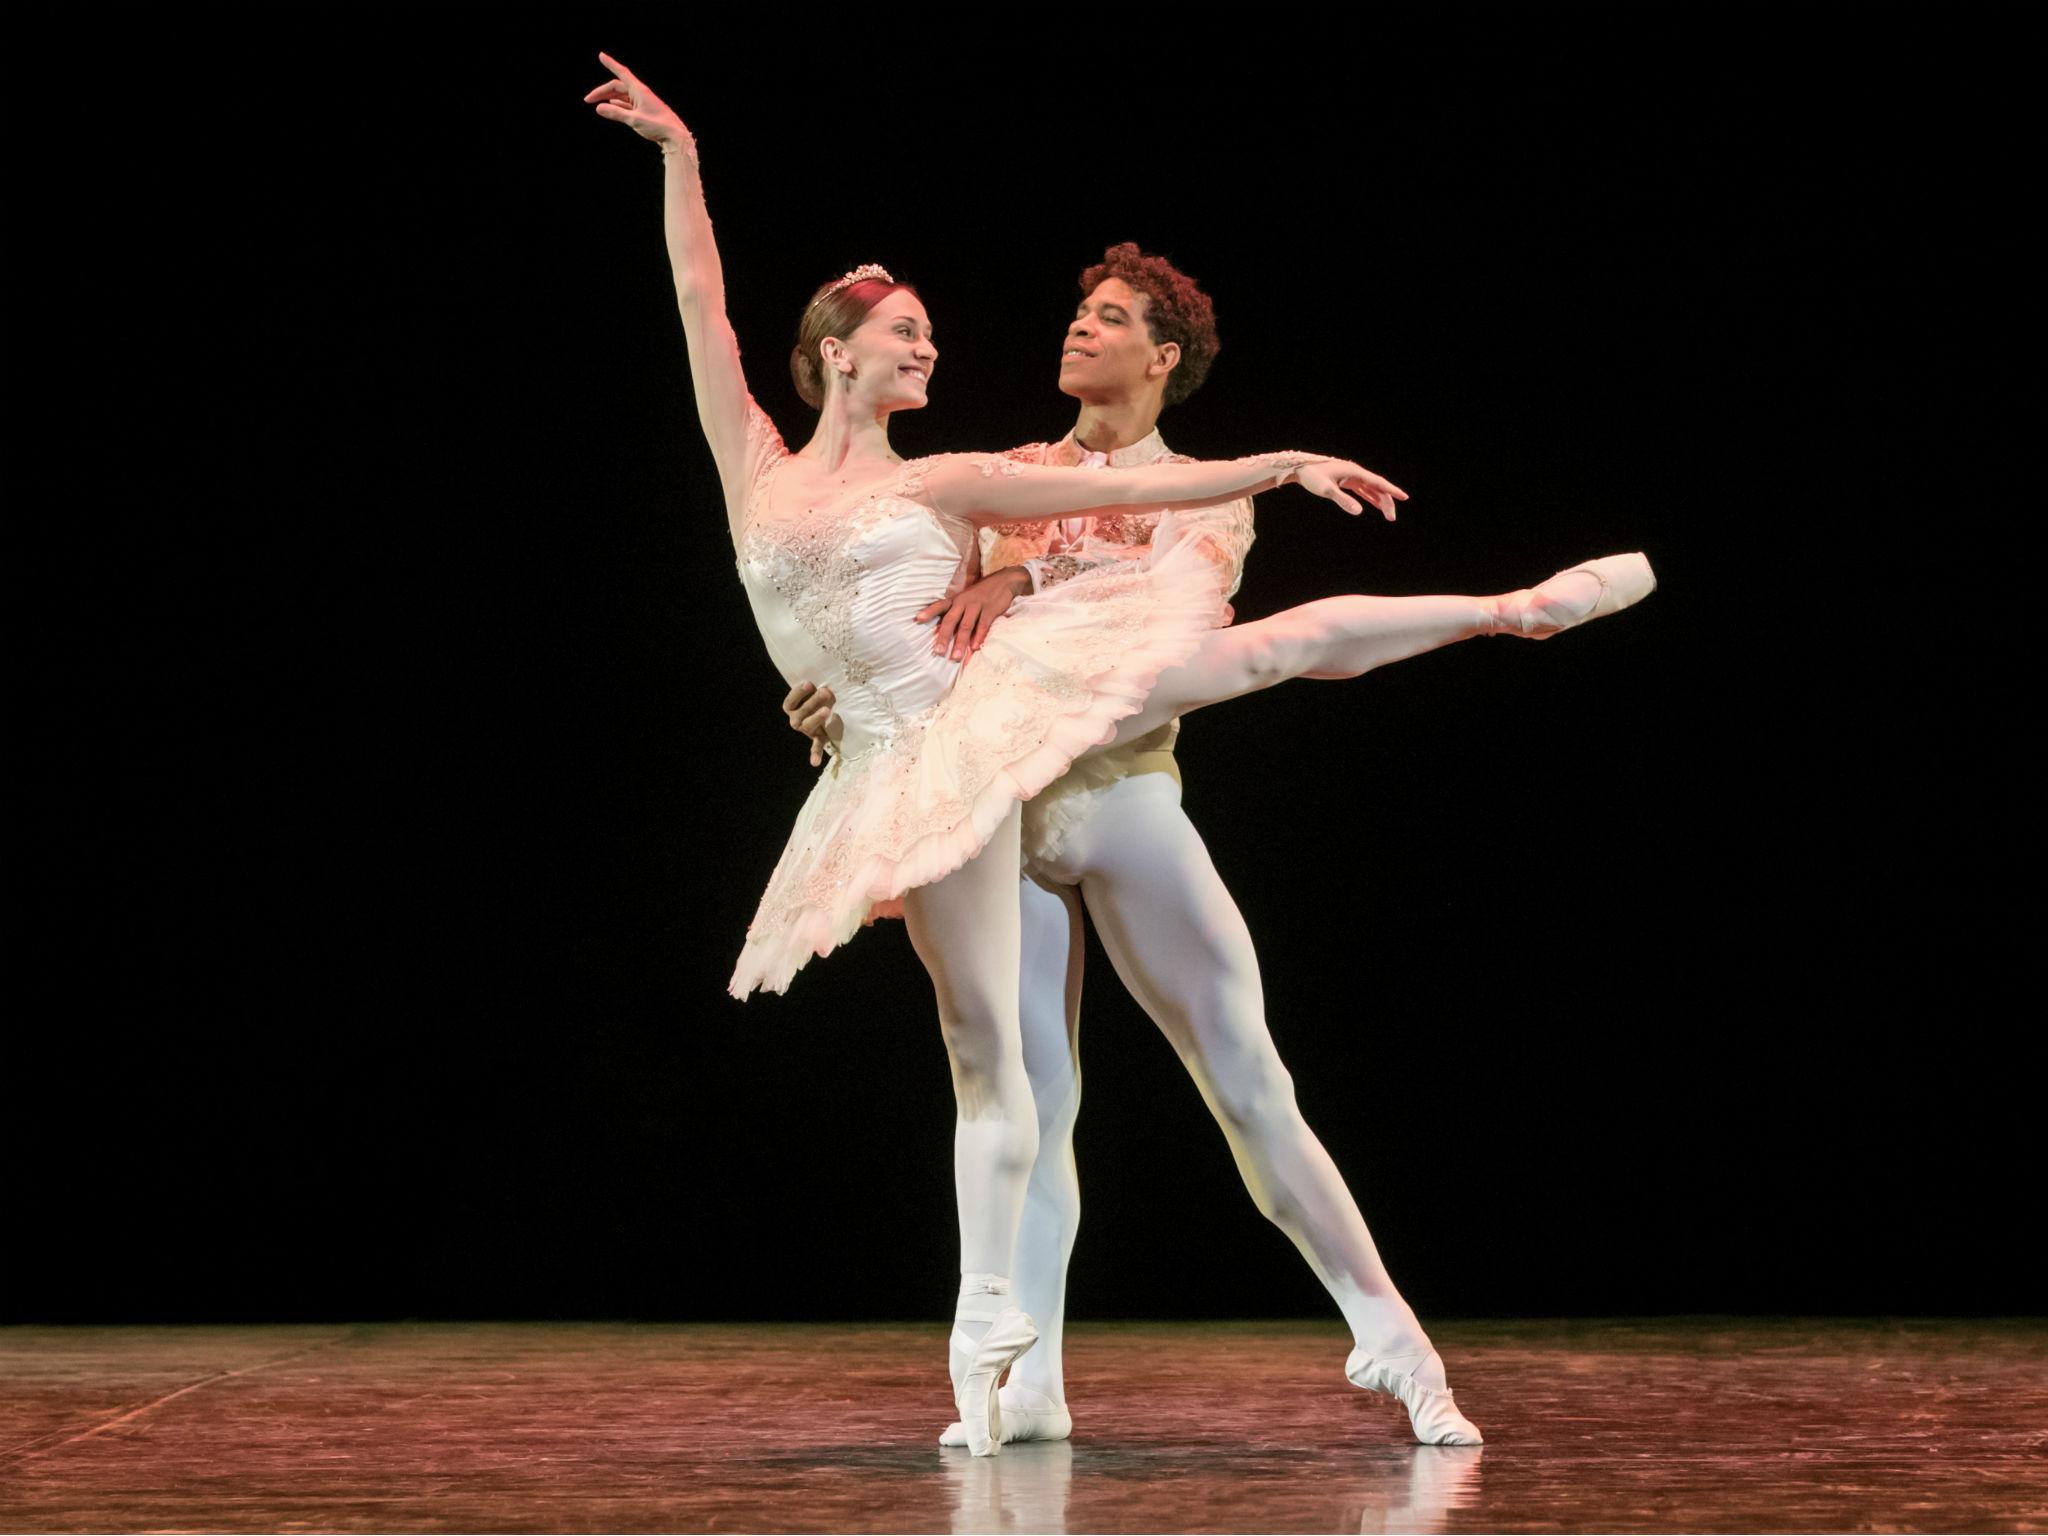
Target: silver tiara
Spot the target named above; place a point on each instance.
(857, 275)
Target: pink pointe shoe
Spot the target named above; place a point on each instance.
(1431, 1413)
(978, 1366)
(1570, 598)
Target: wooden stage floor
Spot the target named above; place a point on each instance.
(1631, 1425)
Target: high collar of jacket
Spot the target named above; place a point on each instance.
(1149, 449)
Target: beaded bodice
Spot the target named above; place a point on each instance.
(834, 583)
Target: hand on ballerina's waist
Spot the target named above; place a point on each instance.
(809, 710)
(964, 620)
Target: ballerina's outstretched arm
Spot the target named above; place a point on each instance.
(999, 490)
(721, 384)
(1337, 637)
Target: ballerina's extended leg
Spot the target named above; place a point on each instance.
(1340, 637)
(1572, 597)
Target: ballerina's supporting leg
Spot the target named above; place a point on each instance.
(1034, 1400)
(965, 930)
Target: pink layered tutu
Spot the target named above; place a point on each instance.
(918, 800)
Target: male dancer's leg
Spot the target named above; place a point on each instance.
(1183, 951)
(1050, 1012)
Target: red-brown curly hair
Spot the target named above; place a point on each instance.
(1176, 310)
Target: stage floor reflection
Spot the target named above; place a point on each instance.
(1662, 1424)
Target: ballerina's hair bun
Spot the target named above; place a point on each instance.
(836, 309)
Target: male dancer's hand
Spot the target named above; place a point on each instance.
(809, 709)
(967, 618)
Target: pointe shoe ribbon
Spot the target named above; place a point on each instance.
(1551, 607)
(981, 1414)
(1431, 1413)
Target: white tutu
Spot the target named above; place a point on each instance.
(922, 795)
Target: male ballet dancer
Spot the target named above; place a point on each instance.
(1112, 836)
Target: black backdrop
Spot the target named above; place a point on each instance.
(399, 765)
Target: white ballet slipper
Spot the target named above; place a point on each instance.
(1050, 1422)
(1431, 1413)
(1561, 603)
(978, 1366)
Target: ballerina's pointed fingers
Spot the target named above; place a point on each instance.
(1377, 489)
(611, 90)
(617, 68)
(1372, 492)
(1383, 484)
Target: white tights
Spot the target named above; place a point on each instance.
(1335, 637)
(1181, 947)
(1183, 952)
(965, 930)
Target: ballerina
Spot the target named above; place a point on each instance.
(921, 804)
